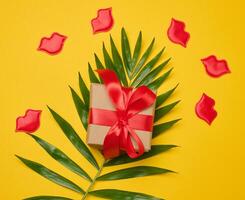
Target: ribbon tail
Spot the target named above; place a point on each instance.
(111, 146)
(130, 149)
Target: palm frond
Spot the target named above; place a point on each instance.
(84, 90)
(133, 70)
(120, 194)
(161, 128)
(51, 175)
(81, 108)
(149, 77)
(137, 49)
(126, 52)
(161, 112)
(146, 69)
(93, 78)
(61, 157)
(163, 97)
(47, 198)
(118, 63)
(143, 59)
(124, 159)
(132, 172)
(154, 85)
(71, 134)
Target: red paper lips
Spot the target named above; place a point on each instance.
(104, 20)
(215, 67)
(177, 34)
(52, 45)
(205, 109)
(30, 122)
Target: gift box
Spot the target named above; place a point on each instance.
(99, 99)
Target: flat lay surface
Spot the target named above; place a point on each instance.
(210, 158)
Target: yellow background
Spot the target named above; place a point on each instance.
(210, 162)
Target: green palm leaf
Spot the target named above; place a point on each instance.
(132, 172)
(126, 52)
(163, 97)
(161, 128)
(82, 110)
(143, 59)
(51, 175)
(84, 90)
(137, 49)
(146, 69)
(61, 157)
(99, 65)
(123, 159)
(47, 198)
(159, 81)
(107, 59)
(161, 112)
(93, 78)
(74, 138)
(118, 63)
(120, 194)
(153, 73)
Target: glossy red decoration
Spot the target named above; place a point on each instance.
(177, 34)
(205, 109)
(30, 122)
(52, 45)
(128, 103)
(103, 22)
(215, 67)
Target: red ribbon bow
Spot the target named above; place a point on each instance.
(128, 103)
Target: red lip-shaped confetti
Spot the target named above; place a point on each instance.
(52, 45)
(205, 109)
(215, 67)
(103, 22)
(177, 33)
(30, 122)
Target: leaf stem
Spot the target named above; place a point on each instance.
(94, 180)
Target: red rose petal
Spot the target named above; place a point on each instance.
(205, 109)
(177, 33)
(215, 67)
(30, 122)
(103, 22)
(52, 45)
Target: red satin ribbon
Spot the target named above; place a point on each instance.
(125, 119)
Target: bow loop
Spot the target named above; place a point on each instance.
(141, 99)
